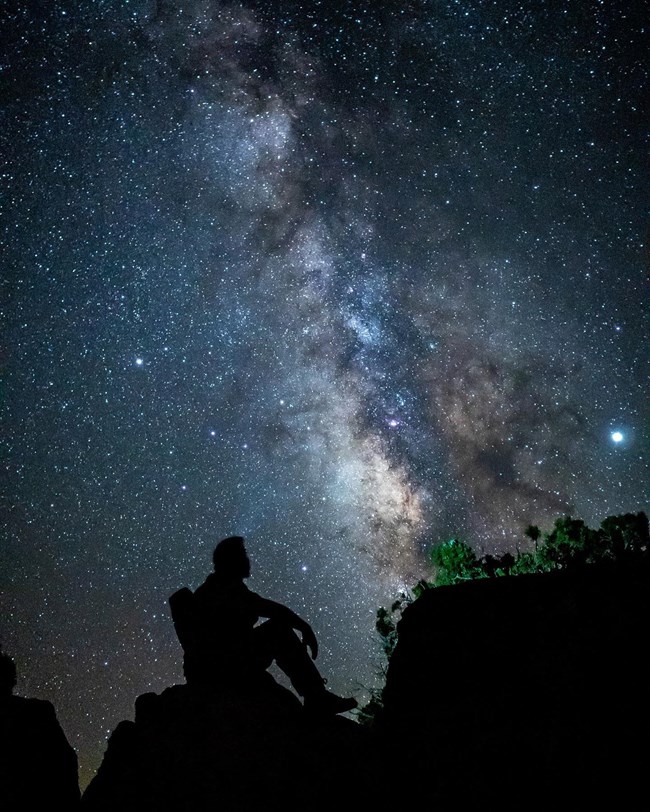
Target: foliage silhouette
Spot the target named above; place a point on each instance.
(571, 545)
(454, 561)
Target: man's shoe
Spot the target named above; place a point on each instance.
(325, 703)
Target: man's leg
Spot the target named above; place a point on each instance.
(278, 641)
(275, 640)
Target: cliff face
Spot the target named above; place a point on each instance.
(525, 690)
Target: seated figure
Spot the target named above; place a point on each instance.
(222, 643)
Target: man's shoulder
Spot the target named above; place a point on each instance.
(214, 586)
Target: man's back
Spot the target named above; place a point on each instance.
(219, 643)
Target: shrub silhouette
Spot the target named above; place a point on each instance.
(571, 545)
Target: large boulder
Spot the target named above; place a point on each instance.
(524, 690)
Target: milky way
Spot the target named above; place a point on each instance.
(343, 279)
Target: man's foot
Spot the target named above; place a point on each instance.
(325, 703)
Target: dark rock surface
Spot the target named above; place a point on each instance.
(251, 748)
(524, 691)
(38, 768)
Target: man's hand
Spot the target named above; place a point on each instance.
(309, 639)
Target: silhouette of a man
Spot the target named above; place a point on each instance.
(227, 643)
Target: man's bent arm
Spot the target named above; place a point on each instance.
(277, 611)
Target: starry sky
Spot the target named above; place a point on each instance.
(344, 278)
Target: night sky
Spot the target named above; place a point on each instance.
(343, 278)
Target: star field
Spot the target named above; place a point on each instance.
(343, 278)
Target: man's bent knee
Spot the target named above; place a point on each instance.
(278, 629)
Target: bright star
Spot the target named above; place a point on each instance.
(617, 436)
(139, 361)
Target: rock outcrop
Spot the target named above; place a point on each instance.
(524, 691)
(228, 749)
(38, 767)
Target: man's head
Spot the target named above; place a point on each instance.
(230, 559)
(7, 675)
